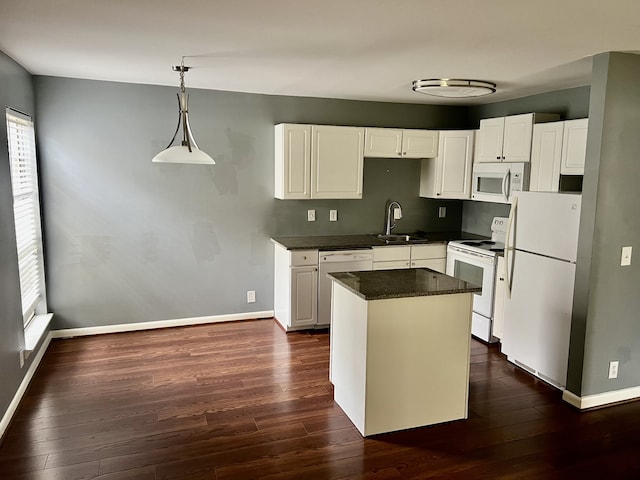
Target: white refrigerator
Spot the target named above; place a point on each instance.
(540, 256)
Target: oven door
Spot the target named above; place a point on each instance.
(475, 268)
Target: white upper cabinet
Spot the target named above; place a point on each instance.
(400, 143)
(449, 174)
(419, 143)
(558, 148)
(546, 156)
(293, 161)
(574, 146)
(508, 139)
(318, 161)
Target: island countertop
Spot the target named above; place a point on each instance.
(411, 282)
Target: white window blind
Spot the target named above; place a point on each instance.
(26, 210)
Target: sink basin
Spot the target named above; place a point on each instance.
(401, 238)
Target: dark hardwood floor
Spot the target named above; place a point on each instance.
(245, 400)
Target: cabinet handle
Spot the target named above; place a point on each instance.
(304, 257)
(497, 158)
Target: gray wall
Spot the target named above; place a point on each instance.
(16, 91)
(606, 302)
(570, 103)
(132, 241)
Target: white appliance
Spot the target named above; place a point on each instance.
(540, 256)
(497, 182)
(337, 261)
(475, 261)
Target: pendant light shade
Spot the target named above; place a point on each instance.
(187, 151)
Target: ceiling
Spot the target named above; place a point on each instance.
(353, 49)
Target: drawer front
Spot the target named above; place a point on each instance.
(391, 265)
(424, 252)
(390, 254)
(301, 258)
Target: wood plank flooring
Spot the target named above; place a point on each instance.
(245, 400)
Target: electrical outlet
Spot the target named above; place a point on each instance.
(21, 358)
(311, 215)
(613, 369)
(251, 296)
(333, 215)
(442, 212)
(625, 259)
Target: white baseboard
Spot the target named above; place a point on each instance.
(13, 406)
(180, 322)
(601, 399)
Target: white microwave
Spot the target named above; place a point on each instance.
(496, 182)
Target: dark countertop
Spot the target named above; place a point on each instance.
(344, 242)
(411, 282)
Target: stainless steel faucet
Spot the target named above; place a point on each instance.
(391, 215)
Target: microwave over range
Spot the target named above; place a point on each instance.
(496, 182)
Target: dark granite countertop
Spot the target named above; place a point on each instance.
(411, 282)
(343, 242)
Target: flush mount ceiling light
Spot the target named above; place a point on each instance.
(453, 87)
(187, 151)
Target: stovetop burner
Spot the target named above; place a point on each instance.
(477, 243)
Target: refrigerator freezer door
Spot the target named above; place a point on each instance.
(538, 316)
(547, 223)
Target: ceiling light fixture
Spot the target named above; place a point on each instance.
(453, 87)
(187, 151)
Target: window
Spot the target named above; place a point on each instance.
(26, 210)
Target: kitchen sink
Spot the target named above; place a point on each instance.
(402, 238)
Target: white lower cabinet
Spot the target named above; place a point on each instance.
(391, 257)
(433, 256)
(449, 174)
(499, 298)
(295, 288)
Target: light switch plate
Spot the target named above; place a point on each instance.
(333, 215)
(625, 259)
(311, 215)
(442, 212)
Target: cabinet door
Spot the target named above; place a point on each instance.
(337, 161)
(518, 130)
(498, 299)
(449, 174)
(391, 265)
(546, 154)
(490, 140)
(292, 161)
(304, 296)
(419, 143)
(574, 146)
(455, 161)
(437, 264)
(383, 142)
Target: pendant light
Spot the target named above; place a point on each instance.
(453, 87)
(187, 151)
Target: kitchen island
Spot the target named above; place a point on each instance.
(400, 344)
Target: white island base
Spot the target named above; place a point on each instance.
(400, 363)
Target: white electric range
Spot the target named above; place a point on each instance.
(475, 261)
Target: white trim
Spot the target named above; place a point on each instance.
(601, 399)
(11, 409)
(179, 322)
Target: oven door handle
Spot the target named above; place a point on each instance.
(506, 185)
(508, 248)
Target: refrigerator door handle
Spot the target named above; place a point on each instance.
(506, 185)
(508, 270)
